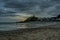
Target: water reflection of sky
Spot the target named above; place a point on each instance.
(15, 26)
(35, 24)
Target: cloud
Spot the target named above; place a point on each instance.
(12, 10)
(36, 7)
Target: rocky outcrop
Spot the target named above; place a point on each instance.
(58, 16)
(32, 18)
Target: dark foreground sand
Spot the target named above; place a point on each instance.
(46, 33)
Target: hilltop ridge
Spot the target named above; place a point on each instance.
(34, 18)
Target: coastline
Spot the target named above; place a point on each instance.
(51, 32)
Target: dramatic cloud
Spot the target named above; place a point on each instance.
(41, 8)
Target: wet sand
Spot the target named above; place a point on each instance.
(43, 33)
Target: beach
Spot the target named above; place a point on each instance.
(43, 33)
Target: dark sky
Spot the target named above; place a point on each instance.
(41, 8)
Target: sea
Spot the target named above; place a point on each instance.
(17, 10)
(15, 26)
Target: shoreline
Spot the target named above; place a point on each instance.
(43, 33)
(27, 29)
(41, 27)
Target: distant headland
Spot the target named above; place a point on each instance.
(34, 18)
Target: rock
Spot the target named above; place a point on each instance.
(58, 16)
(32, 18)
